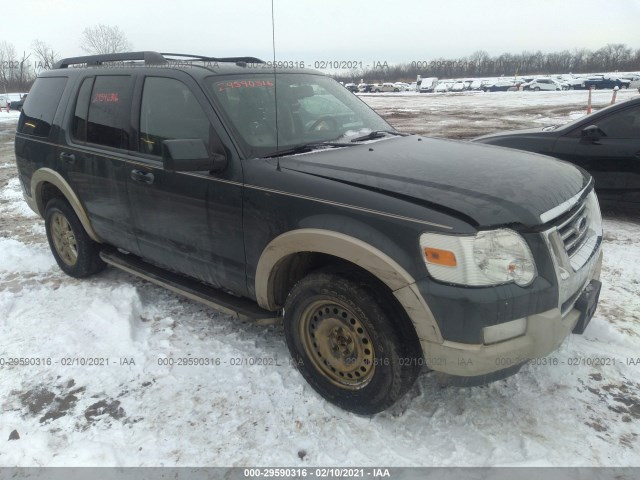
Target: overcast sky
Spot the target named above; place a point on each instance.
(309, 30)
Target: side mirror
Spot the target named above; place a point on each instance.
(190, 155)
(592, 134)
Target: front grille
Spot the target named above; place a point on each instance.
(574, 231)
(574, 242)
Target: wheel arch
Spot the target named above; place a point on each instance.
(47, 183)
(287, 257)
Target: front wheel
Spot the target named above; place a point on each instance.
(349, 344)
(76, 254)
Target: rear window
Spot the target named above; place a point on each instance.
(41, 105)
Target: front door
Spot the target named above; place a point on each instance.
(614, 159)
(190, 222)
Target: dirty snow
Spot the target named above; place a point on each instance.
(248, 406)
(470, 114)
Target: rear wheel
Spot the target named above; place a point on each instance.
(342, 338)
(76, 254)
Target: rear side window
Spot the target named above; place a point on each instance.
(41, 105)
(102, 111)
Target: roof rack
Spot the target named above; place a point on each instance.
(216, 59)
(150, 58)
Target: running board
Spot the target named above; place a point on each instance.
(238, 307)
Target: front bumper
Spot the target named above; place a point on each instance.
(544, 334)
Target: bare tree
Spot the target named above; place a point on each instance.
(104, 39)
(24, 75)
(46, 57)
(612, 57)
(8, 63)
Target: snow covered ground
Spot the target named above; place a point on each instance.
(249, 407)
(470, 114)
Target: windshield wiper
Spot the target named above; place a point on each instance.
(307, 147)
(378, 134)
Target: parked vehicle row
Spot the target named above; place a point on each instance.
(503, 84)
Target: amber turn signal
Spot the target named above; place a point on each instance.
(440, 257)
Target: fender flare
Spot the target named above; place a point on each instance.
(47, 175)
(355, 251)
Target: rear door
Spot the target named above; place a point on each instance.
(190, 222)
(94, 157)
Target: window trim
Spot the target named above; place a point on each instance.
(76, 140)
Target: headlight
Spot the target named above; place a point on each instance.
(487, 258)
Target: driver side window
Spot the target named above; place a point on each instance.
(168, 111)
(622, 125)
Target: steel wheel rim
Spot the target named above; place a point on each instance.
(64, 240)
(338, 344)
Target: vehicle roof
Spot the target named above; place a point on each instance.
(197, 66)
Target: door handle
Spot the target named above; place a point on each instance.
(142, 177)
(69, 158)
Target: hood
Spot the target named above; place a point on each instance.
(486, 185)
(507, 133)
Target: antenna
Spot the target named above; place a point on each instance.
(275, 81)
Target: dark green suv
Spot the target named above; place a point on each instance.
(278, 194)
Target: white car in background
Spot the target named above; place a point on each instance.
(461, 86)
(549, 84)
(573, 82)
(428, 85)
(633, 78)
(384, 87)
(476, 85)
(443, 87)
(404, 87)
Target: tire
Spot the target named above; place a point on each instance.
(343, 342)
(396, 90)
(536, 89)
(76, 254)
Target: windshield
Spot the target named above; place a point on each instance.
(310, 109)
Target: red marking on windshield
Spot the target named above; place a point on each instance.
(222, 86)
(105, 98)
